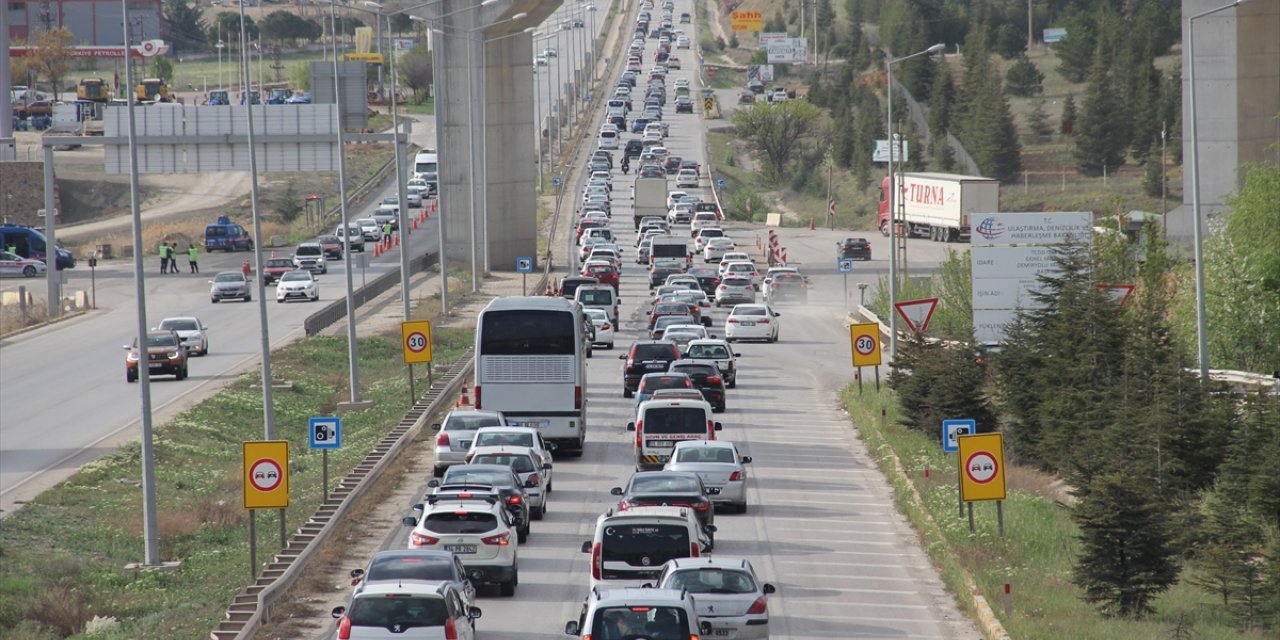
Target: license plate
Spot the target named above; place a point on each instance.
(723, 632)
(530, 424)
(661, 444)
(748, 324)
(654, 365)
(460, 548)
(155, 365)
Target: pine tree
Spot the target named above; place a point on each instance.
(1038, 122)
(1153, 177)
(1224, 562)
(1125, 557)
(1100, 136)
(1068, 123)
(942, 96)
(943, 156)
(1075, 53)
(1023, 78)
(1017, 369)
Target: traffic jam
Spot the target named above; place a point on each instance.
(694, 297)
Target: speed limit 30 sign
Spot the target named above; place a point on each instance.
(982, 467)
(416, 341)
(865, 341)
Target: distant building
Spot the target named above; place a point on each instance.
(1237, 99)
(93, 23)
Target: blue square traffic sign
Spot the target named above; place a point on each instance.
(953, 429)
(524, 264)
(845, 265)
(325, 432)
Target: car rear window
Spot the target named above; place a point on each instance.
(749, 311)
(711, 232)
(675, 420)
(411, 568)
(695, 369)
(504, 439)
(712, 580)
(402, 611)
(447, 521)
(470, 423)
(704, 454)
(657, 623)
(636, 543)
(521, 464)
(595, 296)
(462, 475)
(651, 383)
(736, 282)
(655, 352)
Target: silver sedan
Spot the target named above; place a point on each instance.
(726, 592)
(719, 465)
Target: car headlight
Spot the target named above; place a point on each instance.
(173, 355)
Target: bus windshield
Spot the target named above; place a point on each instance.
(528, 333)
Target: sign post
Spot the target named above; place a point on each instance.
(864, 338)
(845, 267)
(266, 486)
(325, 433)
(982, 472)
(524, 266)
(951, 432)
(415, 338)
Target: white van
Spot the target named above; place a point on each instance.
(608, 140)
(598, 296)
(660, 424)
(630, 547)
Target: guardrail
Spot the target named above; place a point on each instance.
(252, 606)
(336, 310)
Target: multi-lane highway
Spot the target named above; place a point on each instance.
(821, 524)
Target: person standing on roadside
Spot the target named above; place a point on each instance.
(386, 235)
(173, 257)
(164, 257)
(193, 254)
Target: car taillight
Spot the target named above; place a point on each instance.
(344, 628)
(711, 430)
(713, 380)
(762, 321)
(732, 320)
(736, 476)
(501, 539)
(606, 326)
(759, 606)
(477, 397)
(533, 479)
(721, 288)
(421, 539)
(442, 440)
(515, 500)
(577, 396)
(694, 551)
(597, 561)
(450, 629)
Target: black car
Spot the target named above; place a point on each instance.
(669, 488)
(856, 248)
(684, 104)
(708, 278)
(652, 171)
(633, 149)
(660, 270)
(646, 356)
(706, 378)
(619, 121)
(462, 478)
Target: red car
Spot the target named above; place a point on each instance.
(602, 271)
(667, 309)
(587, 223)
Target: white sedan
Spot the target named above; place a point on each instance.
(719, 465)
(298, 283)
(752, 322)
(716, 248)
(191, 333)
(687, 178)
(604, 328)
(15, 265)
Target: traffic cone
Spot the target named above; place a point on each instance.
(377, 249)
(395, 240)
(464, 400)
(811, 224)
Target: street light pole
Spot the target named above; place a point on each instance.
(352, 350)
(1202, 332)
(893, 189)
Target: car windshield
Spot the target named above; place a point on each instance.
(411, 568)
(399, 611)
(704, 454)
(663, 482)
(470, 422)
(229, 277)
(711, 580)
(184, 324)
(675, 420)
(651, 623)
(309, 250)
(520, 463)
(296, 276)
(708, 351)
(166, 340)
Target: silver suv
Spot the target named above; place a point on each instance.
(310, 256)
(656, 614)
(476, 527)
(456, 433)
(410, 609)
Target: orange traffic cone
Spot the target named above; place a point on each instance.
(377, 249)
(464, 400)
(395, 240)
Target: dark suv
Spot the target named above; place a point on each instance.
(706, 378)
(165, 356)
(856, 248)
(633, 149)
(646, 356)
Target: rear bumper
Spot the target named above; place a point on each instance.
(490, 574)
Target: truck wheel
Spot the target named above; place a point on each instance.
(884, 228)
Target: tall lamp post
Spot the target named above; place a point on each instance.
(893, 190)
(1202, 333)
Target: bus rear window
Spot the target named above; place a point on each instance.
(528, 333)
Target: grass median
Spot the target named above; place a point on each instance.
(64, 553)
(1035, 557)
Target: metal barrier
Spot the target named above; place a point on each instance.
(252, 606)
(337, 310)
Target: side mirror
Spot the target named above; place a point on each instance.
(128, 346)
(737, 355)
(546, 466)
(433, 483)
(409, 521)
(631, 426)
(622, 356)
(768, 588)
(776, 314)
(719, 426)
(586, 547)
(712, 334)
(711, 528)
(571, 628)
(357, 573)
(746, 459)
(338, 612)
(435, 427)
(474, 612)
(616, 491)
(417, 507)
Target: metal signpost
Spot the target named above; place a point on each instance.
(325, 433)
(951, 432)
(864, 338)
(524, 266)
(720, 182)
(982, 472)
(266, 486)
(415, 338)
(845, 267)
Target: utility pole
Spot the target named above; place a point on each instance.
(1030, 37)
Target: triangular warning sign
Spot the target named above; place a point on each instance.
(917, 313)
(1118, 293)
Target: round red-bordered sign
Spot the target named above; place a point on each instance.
(864, 344)
(265, 474)
(981, 467)
(416, 342)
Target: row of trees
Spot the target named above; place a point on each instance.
(1175, 479)
(188, 31)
